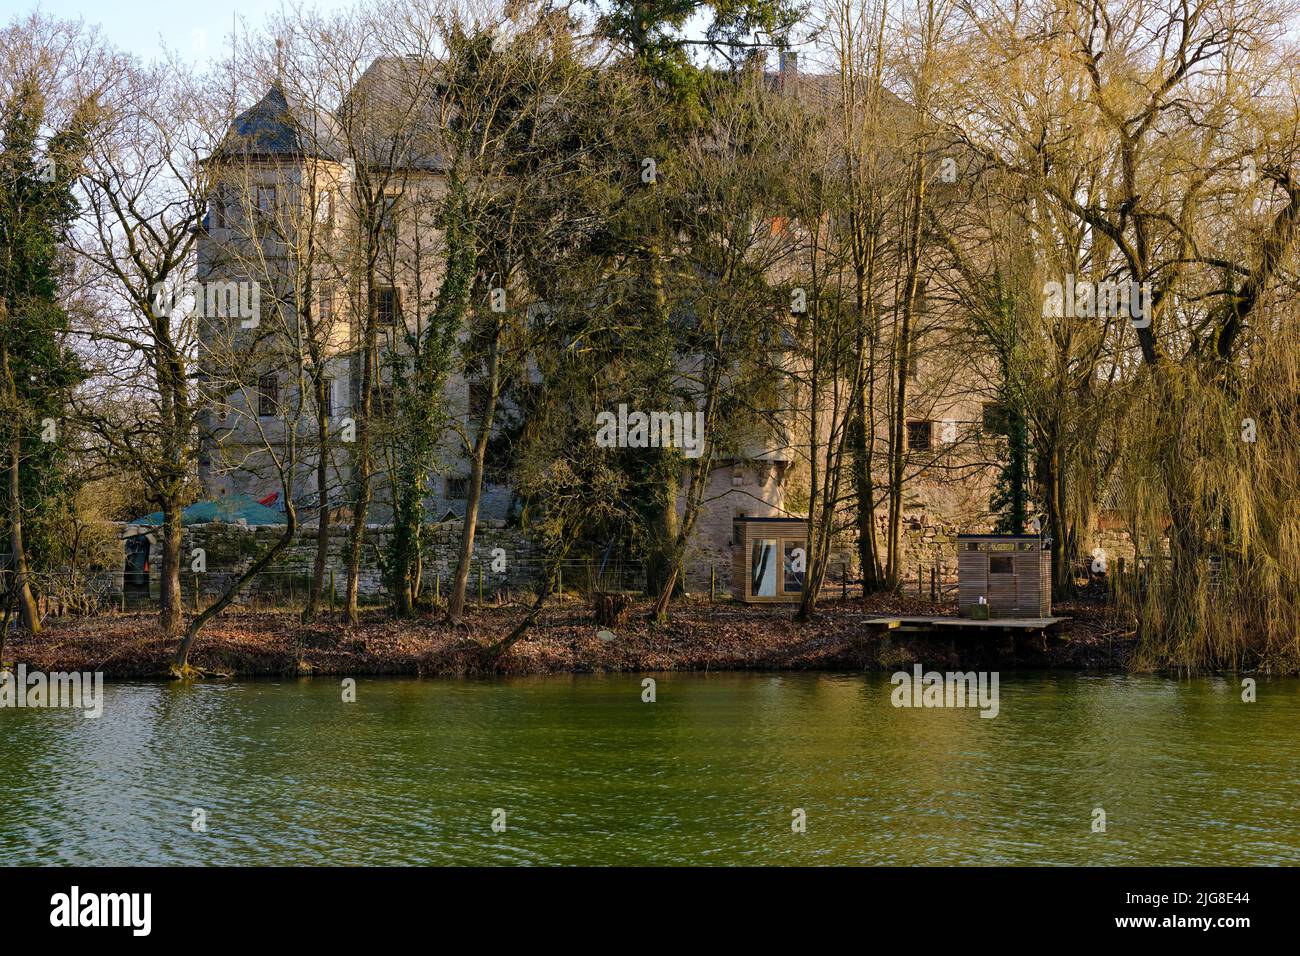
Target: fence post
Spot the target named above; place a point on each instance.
(713, 582)
(559, 579)
(331, 590)
(480, 584)
(844, 581)
(934, 582)
(919, 572)
(437, 587)
(196, 594)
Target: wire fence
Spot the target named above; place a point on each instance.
(489, 583)
(78, 593)
(75, 593)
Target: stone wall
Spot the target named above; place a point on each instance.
(929, 542)
(229, 549)
(741, 488)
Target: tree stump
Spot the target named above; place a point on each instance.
(611, 609)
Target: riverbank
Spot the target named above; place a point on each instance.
(700, 637)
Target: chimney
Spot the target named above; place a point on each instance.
(789, 68)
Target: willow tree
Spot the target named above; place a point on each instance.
(1194, 206)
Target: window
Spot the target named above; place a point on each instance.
(217, 212)
(794, 565)
(1001, 564)
(456, 488)
(919, 435)
(266, 201)
(387, 306)
(478, 399)
(388, 220)
(995, 419)
(384, 400)
(268, 395)
(325, 306)
(325, 210)
(327, 398)
(763, 569)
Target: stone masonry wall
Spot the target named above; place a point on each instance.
(229, 549)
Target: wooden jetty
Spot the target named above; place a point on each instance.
(948, 624)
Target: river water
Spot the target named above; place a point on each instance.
(582, 771)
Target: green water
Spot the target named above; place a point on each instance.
(587, 773)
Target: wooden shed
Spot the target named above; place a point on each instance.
(1012, 572)
(769, 559)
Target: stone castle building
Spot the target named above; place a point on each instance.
(283, 172)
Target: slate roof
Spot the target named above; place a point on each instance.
(272, 127)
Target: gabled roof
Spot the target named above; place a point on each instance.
(411, 86)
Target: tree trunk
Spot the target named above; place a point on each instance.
(180, 664)
(898, 450)
(456, 599)
(865, 492)
(4, 626)
(361, 459)
(28, 615)
(22, 591)
(171, 608)
(492, 654)
(323, 509)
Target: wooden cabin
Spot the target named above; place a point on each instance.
(769, 558)
(1011, 572)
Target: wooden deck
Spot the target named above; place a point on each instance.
(1031, 625)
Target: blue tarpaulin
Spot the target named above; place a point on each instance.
(231, 509)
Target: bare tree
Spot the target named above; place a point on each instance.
(145, 191)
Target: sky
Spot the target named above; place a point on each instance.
(195, 29)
